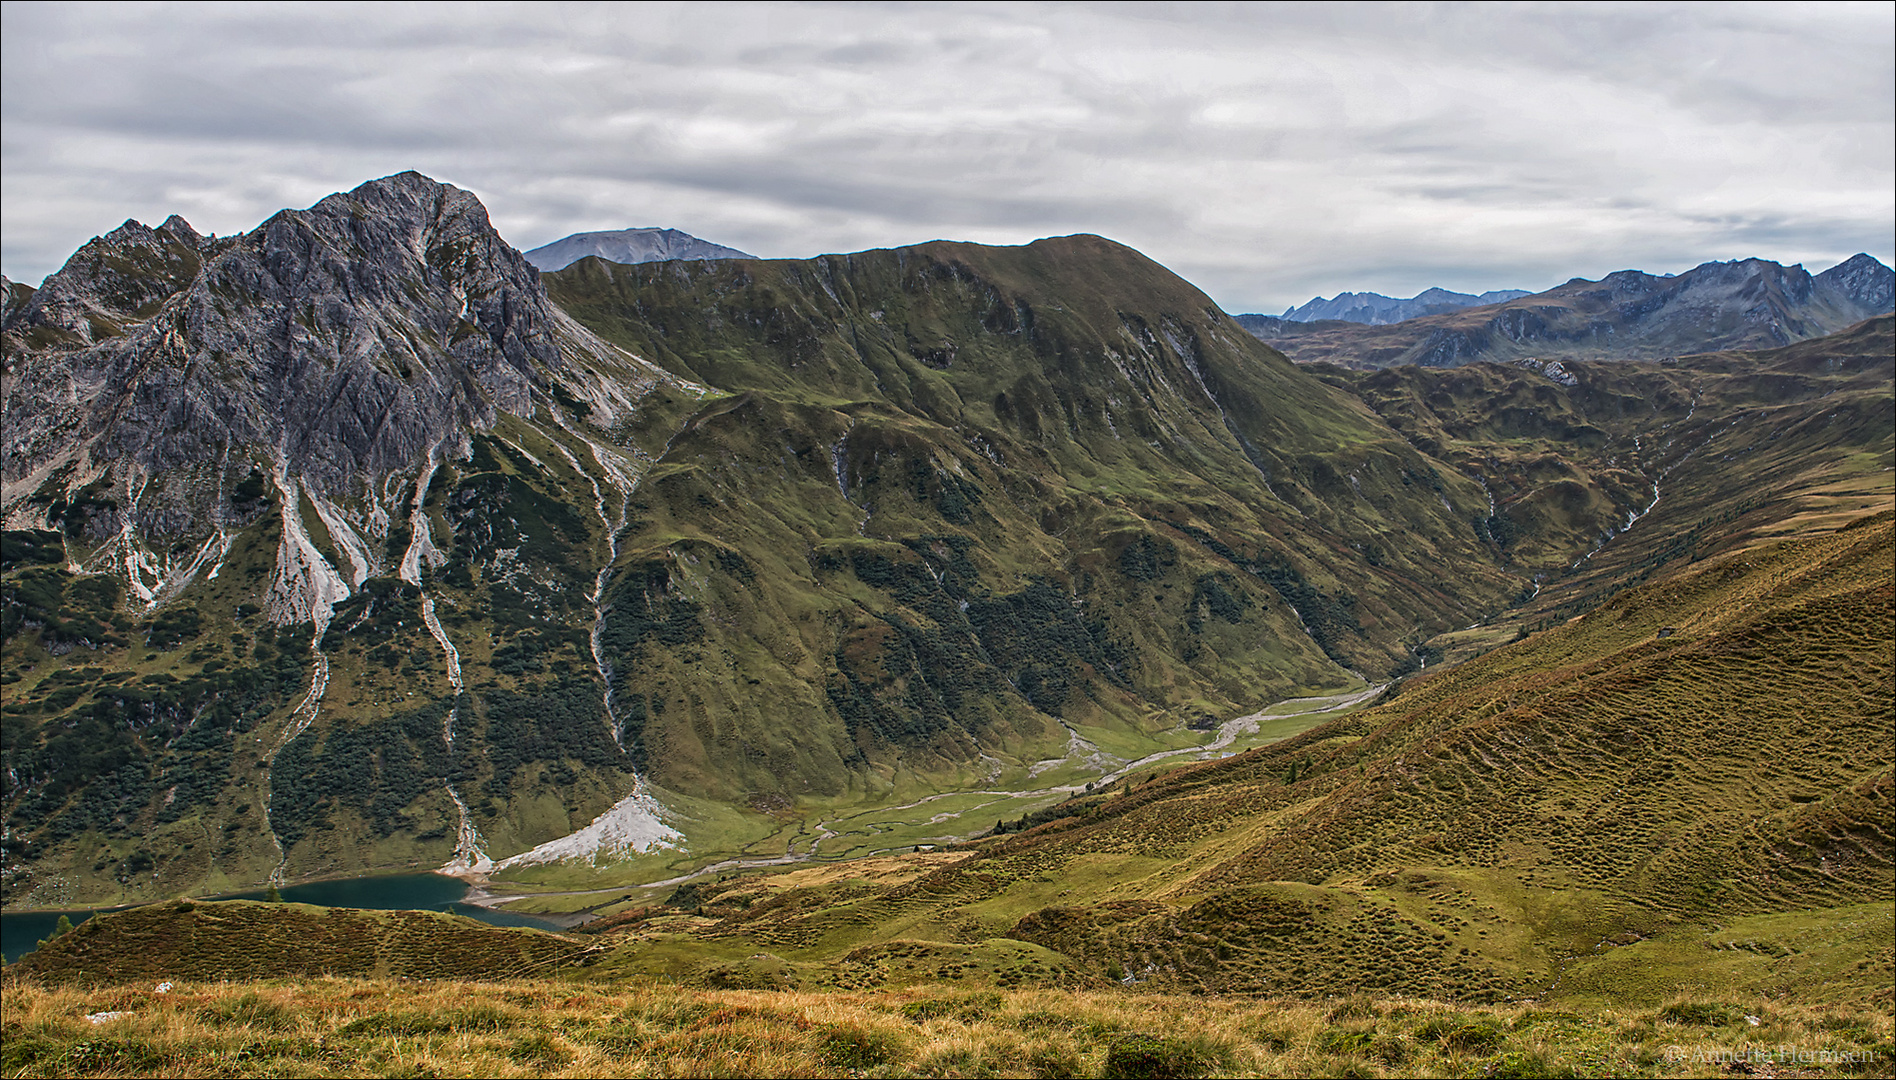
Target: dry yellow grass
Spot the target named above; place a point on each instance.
(352, 1027)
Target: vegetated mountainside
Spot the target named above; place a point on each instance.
(1375, 309)
(1629, 315)
(1688, 788)
(338, 546)
(1685, 791)
(628, 246)
(248, 939)
(1033, 483)
(249, 482)
(1604, 473)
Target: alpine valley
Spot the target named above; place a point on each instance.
(727, 601)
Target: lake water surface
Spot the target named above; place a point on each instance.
(21, 932)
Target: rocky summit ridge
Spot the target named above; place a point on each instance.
(328, 347)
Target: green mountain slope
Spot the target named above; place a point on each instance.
(855, 531)
(1688, 788)
(1052, 480)
(1604, 473)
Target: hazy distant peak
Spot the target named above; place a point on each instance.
(1376, 309)
(629, 246)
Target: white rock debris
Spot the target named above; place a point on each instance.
(634, 825)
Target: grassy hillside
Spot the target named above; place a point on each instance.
(244, 939)
(1638, 843)
(896, 524)
(1600, 810)
(1605, 474)
(997, 522)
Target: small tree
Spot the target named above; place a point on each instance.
(272, 896)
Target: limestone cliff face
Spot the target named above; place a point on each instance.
(343, 341)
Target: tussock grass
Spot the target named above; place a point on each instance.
(391, 1027)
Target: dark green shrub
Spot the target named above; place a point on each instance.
(482, 1017)
(538, 1050)
(1356, 1008)
(850, 1047)
(1473, 1039)
(1054, 1063)
(1043, 1021)
(1535, 1017)
(1699, 1013)
(115, 1057)
(474, 1018)
(1345, 1042)
(1525, 1065)
(1151, 1057)
(248, 1009)
(29, 1055)
(964, 1008)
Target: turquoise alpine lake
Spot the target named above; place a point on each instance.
(22, 931)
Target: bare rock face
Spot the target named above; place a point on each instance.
(346, 340)
(114, 281)
(1863, 281)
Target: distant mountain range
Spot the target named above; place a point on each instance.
(629, 246)
(1744, 304)
(1376, 309)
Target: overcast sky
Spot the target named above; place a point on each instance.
(1267, 152)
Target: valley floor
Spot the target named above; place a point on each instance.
(938, 819)
(368, 1027)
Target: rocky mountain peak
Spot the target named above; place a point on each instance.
(346, 340)
(1375, 309)
(181, 230)
(1864, 281)
(629, 246)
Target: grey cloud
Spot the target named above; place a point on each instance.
(1267, 152)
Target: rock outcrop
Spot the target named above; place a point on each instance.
(345, 340)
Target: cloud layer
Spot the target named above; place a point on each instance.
(1268, 153)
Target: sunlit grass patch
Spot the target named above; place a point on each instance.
(365, 1027)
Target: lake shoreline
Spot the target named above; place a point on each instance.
(24, 928)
